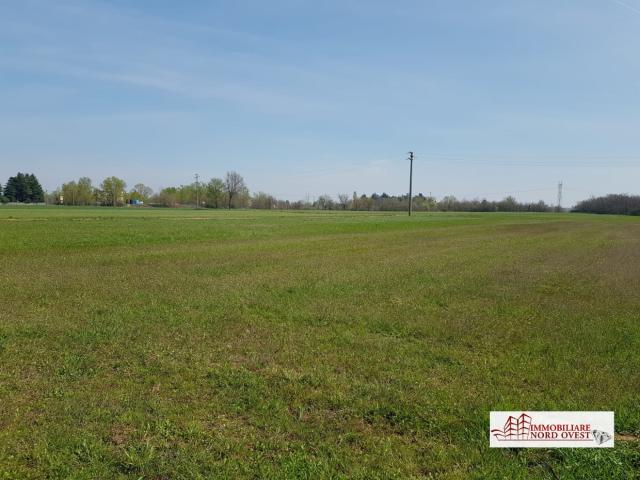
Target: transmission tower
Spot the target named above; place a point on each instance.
(197, 191)
(560, 196)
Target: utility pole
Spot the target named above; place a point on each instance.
(197, 191)
(560, 196)
(410, 182)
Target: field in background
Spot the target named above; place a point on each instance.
(184, 344)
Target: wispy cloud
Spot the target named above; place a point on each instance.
(308, 93)
(152, 54)
(627, 6)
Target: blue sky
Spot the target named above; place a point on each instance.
(305, 98)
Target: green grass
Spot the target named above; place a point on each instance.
(169, 344)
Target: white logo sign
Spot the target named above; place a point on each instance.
(551, 429)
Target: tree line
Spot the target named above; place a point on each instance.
(385, 202)
(610, 204)
(227, 192)
(231, 191)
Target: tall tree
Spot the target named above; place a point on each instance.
(263, 200)
(69, 193)
(187, 194)
(141, 192)
(36, 193)
(77, 193)
(214, 193)
(113, 190)
(167, 197)
(24, 188)
(233, 185)
(14, 190)
(85, 191)
(343, 198)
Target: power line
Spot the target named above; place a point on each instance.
(519, 159)
(533, 155)
(512, 192)
(444, 160)
(497, 160)
(342, 169)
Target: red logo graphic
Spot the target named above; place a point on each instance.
(543, 429)
(514, 428)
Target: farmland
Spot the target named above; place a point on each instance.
(139, 343)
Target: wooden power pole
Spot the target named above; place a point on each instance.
(410, 182)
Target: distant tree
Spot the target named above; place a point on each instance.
(11, 189)
(85, 191)
(113, 191)
(215, 193)
(186, 194)
(325, 202)
(243, 198)
(24, 188)
(343, 198)
(141, 192)
(167, 197)
(35, 193)
(100, 196)
(282, 204)
(68, 193)
(15, 189)
(365, 203)
(448, 203)
(35, 189)
(263, 200)
(76, 193)
(233, 185)
(431, 203)
(509, 204)
(53, 197)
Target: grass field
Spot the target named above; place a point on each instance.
(164, 344)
